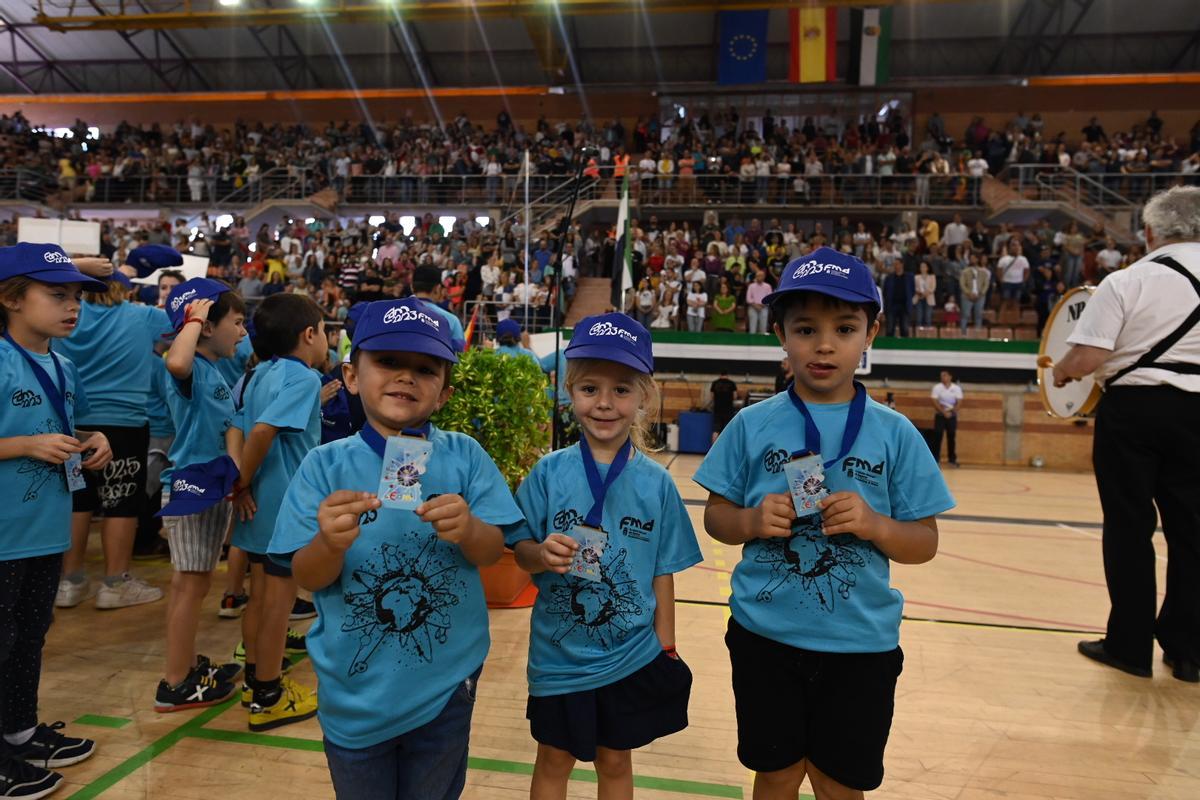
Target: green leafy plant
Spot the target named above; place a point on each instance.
(501, 402)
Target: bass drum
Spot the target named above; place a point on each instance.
(1078, 398)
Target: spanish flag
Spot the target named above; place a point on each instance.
(814, 45)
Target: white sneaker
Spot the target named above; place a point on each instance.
(130, 592)
(71, 594)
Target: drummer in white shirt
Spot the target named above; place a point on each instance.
(1139, 335)
(947, 398)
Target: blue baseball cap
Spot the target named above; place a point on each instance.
(149, 257)
(120, 277)
(353, 315)
(405, 325)
(508, 327)
(613, 337)
(199, 487)
(47, 263)
(186, 292)
(826, 271)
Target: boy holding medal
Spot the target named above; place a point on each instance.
(388, 528)
(814, 634)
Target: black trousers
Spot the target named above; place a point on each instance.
(949, 427)
(27, 589)
(1146, 453)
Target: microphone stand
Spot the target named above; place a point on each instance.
(564, 230)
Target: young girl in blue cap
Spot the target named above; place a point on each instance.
(42, 458)
(605, 531)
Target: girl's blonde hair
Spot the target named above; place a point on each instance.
(647, 414)
(12, 291)
(113, 296)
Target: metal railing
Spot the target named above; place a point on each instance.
(26, 184)
(871, 191)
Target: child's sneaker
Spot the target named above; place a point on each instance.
(232, 605)
(247, 695)
(296, 703)
(70, 594)
(21, 779)
(302, 609)
(221, 673)
(197, 691)
(296, 643)
(129, 592)
(239, 652)
(49, 749)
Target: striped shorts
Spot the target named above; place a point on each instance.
(196, 539)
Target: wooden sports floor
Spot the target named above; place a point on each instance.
(994, 701)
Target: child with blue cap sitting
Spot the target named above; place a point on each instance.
(388, 528)
(42, 458)
(605, 531)
(824, 488)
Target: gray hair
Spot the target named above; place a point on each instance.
(1174, 214)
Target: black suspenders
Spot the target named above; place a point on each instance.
(1151, 356)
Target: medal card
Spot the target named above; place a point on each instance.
(592, 542)
(405, 460)
(806, 483)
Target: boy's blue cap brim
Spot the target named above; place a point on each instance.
(601, 352)
(408, 343)
(831, 291)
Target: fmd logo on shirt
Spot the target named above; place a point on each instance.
(863, 470)
(635, 528)
(814, 267)
(26, 398)
(608, 329)
(567, 519)
(221, 393)
(400, 314)
(774, 460)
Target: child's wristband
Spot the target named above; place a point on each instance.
(669, 649)
(190, 319)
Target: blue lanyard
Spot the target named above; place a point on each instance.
(52, 392)
(599, 488)
(812, 436)
(378, 442)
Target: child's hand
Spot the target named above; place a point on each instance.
(243, 503)
(198, 309)
(774, 517)
(558, 551)
(329, 391)
(101, 450)
(338, 514)
(53, 448)
(449, 515)
(847, 512)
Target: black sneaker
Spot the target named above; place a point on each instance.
(232, 605)
(220, 673)
(296, 643)
(49, 749)
(22, 779)
(302, 609)
(197, 691)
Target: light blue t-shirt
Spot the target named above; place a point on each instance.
(201, 416)
(33, 493)
(516, 351)
(457, 335)
(113, 346)
(587, 634)
(234, 367)
(161, 426)
(824, 593)
(406, 622)
(284, 393)
(557, 363)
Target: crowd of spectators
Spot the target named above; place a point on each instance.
(719, 157)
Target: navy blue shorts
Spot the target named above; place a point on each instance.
(625, 715)
(833, 709)
(269, 565)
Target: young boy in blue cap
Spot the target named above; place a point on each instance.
(402, 629)
(814, 634)
(42, 458)
(508, 341)
(209, 320)
(278, 423)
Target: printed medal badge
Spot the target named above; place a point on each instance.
(74, 471)
(405, 460)
(592, 542)
(806, 483)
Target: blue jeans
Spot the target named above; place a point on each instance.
(428, 763)
(924, 314)
(972, 307)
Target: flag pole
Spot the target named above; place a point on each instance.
(525, 259)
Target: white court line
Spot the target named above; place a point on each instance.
(1093, 535)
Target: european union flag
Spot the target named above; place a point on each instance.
(743, 57)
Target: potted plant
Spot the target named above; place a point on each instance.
(501, 402)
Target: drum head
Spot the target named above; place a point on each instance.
(1078, 398)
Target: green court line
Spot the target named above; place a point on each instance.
(149, 753)
(484, 764)
(101, 721)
